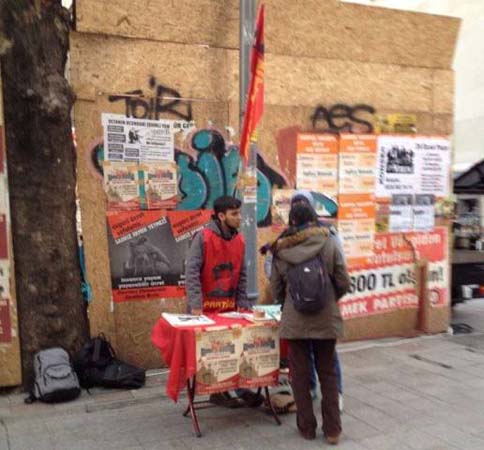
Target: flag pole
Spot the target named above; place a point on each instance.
(249, 207)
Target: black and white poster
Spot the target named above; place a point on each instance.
(401, 213)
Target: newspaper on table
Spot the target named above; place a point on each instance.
(187, 320)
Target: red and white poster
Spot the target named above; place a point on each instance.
(259, 364)
(218, 357)
(147, 252)
(160, 184)
(122, 186)
(386, 281)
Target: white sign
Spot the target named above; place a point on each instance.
(401, 213)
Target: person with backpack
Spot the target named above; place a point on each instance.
(216, 278)
(309, 272)
(306, 197)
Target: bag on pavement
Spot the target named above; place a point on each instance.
(97, 365)
(55, 378)
(308, 282)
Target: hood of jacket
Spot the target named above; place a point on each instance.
(214, 226)
(303, 245)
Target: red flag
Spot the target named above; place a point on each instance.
(255, 98)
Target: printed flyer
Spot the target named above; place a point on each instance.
(259, 365)
(317, 163)
(433, 162)
(281, 204)
(356, 224)
(218, 356)
(122, 186)
(401, 213)
(147, 252)
(424, 212)
(137, 140)
(357, 164)
(385, 282)
(396, 166)
(160, 185)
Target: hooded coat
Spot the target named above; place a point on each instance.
(295, 249)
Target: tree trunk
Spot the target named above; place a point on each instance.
(42, 183)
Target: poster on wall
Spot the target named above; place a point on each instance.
(433, 156)
(122, 186)
(5, 324)
(281, 205)
(424, 212)
(218, 357)
(317, 163)
(160, 185)
(396, 123)
(356, 224)
(259, 365)
(147, 252)
(137, 140)
(385, 282)
(357, 164)
(401, 213)
(396, 166)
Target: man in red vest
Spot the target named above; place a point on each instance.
(216, 277)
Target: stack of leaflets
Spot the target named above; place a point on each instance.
(273, 312)
(187, 320)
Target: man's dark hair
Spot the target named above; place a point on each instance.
(224, 203)
(301, 214)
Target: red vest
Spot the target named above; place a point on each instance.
(222, 263)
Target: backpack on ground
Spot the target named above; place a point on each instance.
(55, 378)
(97, 365)
(308, 282)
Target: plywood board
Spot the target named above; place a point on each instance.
(209, 22)
(316, 28)
(323, 29)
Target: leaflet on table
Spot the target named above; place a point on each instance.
(259, 365)
(424, 212)
(317, 163)
(218, 356)
(186, 320)
(357, 163)
(137, 140)
(401, 213)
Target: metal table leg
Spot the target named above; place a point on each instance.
(191, 406)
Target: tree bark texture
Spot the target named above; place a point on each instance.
(34, 40)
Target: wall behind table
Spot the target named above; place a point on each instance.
(318, 53)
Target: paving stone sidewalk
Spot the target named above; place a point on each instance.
(421, 394)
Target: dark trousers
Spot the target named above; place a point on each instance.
(300, 365)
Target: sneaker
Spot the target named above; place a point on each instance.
(226, 400)
(332, 440)
(252, 399)
(340, 402)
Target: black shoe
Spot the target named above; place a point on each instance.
(251, 399)
(226, 400)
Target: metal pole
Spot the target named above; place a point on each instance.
(249, 207)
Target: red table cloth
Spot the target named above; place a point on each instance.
(177, 348)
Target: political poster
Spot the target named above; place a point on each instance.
(122, 186)
(386, 281)
(137, 140)
(396, 166)
(160, 184)
(281, 205)
(259, 362)
(147, 252)
(433, 160)
(356, 224)
(357, 163)
(401, 213)
(424, 212)
(5, 323)
(218, 358)
(317, 163)
(396, 123)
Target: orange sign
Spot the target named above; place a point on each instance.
(317, 163)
